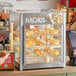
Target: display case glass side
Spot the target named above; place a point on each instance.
(14, 18)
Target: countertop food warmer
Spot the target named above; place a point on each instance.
(39, 39)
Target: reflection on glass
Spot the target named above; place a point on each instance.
(16, 34)
(41, 41)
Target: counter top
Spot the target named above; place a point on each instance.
(67, 69)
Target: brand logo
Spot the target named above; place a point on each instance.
(9, 60)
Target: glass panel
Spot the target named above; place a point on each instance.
(14, 17)
(44, 42)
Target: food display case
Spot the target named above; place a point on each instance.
(39, 39)
(6, 38)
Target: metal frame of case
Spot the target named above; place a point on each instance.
(23, 65)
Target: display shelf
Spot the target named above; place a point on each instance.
(16, 33)
(16, 43)
(4, 31)
(58, 46)
(40, 59)
(51, 46)
(32, 47)
(2, 27)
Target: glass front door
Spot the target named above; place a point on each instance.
(43, 42)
